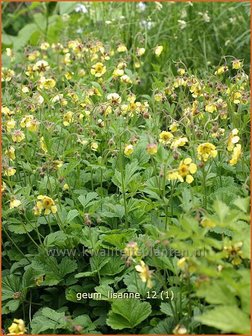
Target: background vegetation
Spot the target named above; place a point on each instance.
(125, 132)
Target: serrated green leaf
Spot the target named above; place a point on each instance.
(227, 319)
(71, 215)
(48, 319)
(128, 313)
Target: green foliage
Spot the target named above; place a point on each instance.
(126, 171)
(228, 319)
(128, 313)
(48, 320)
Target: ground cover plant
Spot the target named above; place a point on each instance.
(125, 187)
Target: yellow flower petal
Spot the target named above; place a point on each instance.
(189, 179)
(192, 168)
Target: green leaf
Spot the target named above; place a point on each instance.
(221, 209)
(48, 319)
(67, 266)
(242, 204)
(166, 308)
(71, 215)
(87, 200)
(15, 225)
(85, 322)
(164, 327)
(67, 168)
(66, 7)
(128, 313)
(227, 319)
(90, 237)
(118, 240)
(54, 272)
(217, 293)
(24, 36)
(114, 266)
(57, 238)
(13, 293)
(135, 284)
(129, 175)
(97, 262)
(104, 290)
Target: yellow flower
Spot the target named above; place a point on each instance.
(179, 81)
(46, 83)
(158, 50)
(236, 64)
(233, 138)
(180, 142)
(93, 91)
(236, 97)
(67, 58)
(59, 99)
(152, 149)
(68, 118)
(140, 51)
(10, 124)
(195, 89)
(137, 64)
(98, 69)
(173, 127)
(39, 280)
(207, 223)
(17, 327)
(118, 72)
(45, 204)
(179, 330)
(128, 150)
(6, 111)
(165, 137)
(94, 146)
(145, 273)
(17, 136)
(43, 145)
(184, 172)
(181, 263)
(131, 249)
(9, 53)
(114, 98)
(14, 203)
(121, 48)
(65, 187)
(181, 71)
(206, 150)
(41, 66)
(81, 72)
(126, 79)
(236, 155)
(33, 55)
(7, 75)
(57, 164)
(221, 70)
(38, 99)
(158, 97)
(234, 252)
(25, 89)
(210, 108)
(30, 122)
(10, 171)
(10, 153)
(108, 110)
(121, 65)
(44, 46)
(3, 188)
